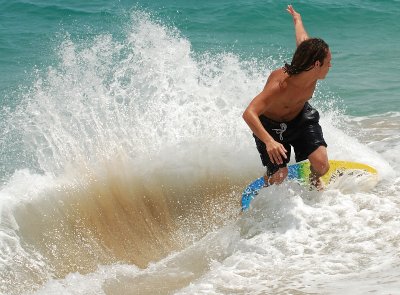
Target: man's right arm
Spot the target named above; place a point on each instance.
(301, 33)
(258, 106)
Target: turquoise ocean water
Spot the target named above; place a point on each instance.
(123, 151)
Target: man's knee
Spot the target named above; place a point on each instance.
(319, 161)
(320, 166)
(279, 176)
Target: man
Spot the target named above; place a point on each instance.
(281, 117)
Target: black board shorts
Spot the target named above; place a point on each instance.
(303, 133)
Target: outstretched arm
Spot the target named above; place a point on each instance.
(301, 33)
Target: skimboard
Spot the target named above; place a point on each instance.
(339, 173)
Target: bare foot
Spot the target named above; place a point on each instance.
(316, 183)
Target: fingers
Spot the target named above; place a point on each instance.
(277, 154)
(277, 159)
(291, 10)
(280, 156)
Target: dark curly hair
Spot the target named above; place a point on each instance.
(305, 56)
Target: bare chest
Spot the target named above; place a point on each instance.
(287, 106)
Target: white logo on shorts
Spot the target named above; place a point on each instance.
(280, 131)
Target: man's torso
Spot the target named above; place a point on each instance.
(290, 101)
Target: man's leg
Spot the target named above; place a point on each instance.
(319, 165)
(277, 178)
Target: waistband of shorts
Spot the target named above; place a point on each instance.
(294, 121)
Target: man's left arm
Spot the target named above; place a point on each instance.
(301, 33)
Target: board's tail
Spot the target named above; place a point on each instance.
(349, 181)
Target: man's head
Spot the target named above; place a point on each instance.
(311, 54)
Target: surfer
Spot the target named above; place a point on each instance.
(281, 117)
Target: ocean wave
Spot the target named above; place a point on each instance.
(50, 11)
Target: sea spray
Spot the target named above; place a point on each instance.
(143, 144)
(139, 96)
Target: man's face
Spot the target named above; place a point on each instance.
(324, 69)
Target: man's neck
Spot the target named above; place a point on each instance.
(303, 80)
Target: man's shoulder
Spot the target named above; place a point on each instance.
(277, 79)
(278, 73)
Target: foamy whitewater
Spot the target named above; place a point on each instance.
(140, 158)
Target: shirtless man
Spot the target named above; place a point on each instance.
(281, 117)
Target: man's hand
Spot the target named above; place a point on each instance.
(296, 16)
(301, 33)
(276, 151)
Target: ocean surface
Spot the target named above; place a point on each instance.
(123, 153)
